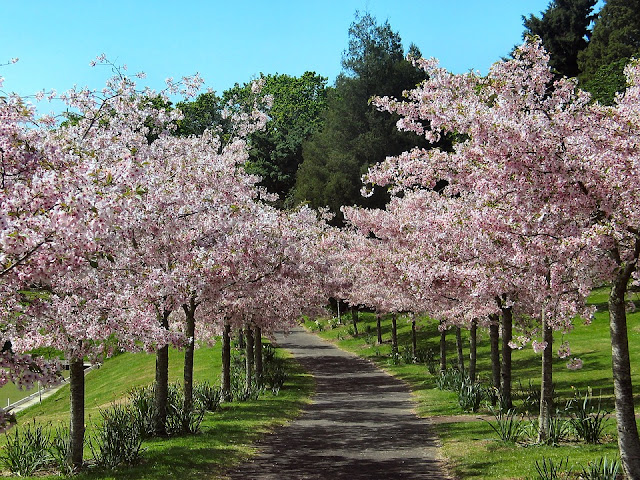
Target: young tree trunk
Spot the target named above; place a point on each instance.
(394, 334)
(257, 357)
(226, 362)
(628, 441)
(546, 386)
(507, 329)
(249, 357)
(473, 350)
(379, 328)
(354, 320)
(494, 339)
(414, 339)
(161, 391)
(190, 328)
(241, 342)
(459, 350)
(76, 411)
(443, 350)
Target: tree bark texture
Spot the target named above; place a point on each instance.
(394, 334)
(226, 362)
(546, 386)
(190, 327)
(494, 339)
(249, 357)
(507, 333)
(76, 411)
(379, 328)
(414, 339)
(443, 350)
(628, 441)
(459, 350)
(161, 391)
(473, 350)
(257, 357)
(354, 320)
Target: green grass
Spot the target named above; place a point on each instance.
(10, 393)
(471, 447)
(226, 436)
(475, 453)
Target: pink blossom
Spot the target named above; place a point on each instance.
(574, 364)
(539, 346)
(564, 350)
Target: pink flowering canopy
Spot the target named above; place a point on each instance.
(539, 187)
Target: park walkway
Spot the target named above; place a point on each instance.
(359, 426)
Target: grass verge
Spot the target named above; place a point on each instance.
(471, 447)
(226, 436)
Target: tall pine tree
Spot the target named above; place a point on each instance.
(355, 134)
(564, 30)
(615, 39)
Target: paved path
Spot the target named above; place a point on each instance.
(359, 426)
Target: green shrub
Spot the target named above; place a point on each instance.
(118, 440)
(207, 396)
(60, 450)
(142, 401)
(470, 395)
(450, 379)
(587, 419)
(547, 470)
(558, 430)
(603, 469)
(27, 450)
(508, 427)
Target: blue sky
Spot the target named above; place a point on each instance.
(233, 41)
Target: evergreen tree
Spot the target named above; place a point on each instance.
(295, 114)
(614, 40)
(275, 152)
(355, 134)
(564, 30)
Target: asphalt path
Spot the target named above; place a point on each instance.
(359, 426)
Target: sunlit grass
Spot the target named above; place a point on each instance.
(471, 447)
(226, 436)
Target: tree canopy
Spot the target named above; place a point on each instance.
(354, 134)
(564, 30)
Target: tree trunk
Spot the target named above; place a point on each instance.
(76, 411)
(546, 386)
(190, 327)
(628, 441)
(379, 328)
(249, 357)
(257, 357)
(394, 334)
(226, 362)
(459, 350)
(241, 342)
(507, 329)
(414, 339)
(443, 350)
(354, 320)
(161, 392)
(473, 350)
(494, 338)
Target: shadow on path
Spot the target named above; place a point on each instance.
(359, 426)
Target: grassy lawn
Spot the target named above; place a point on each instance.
(226, 436)
(473, 448)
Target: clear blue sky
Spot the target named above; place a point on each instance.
(234, 40)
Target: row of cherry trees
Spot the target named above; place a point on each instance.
(540, 205)
(117, 234)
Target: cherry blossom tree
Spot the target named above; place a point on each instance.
(551, 180)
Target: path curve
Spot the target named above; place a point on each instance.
(359, 426)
